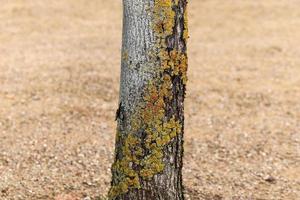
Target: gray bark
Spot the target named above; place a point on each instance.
(139, 171)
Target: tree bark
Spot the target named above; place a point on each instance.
(149, 140)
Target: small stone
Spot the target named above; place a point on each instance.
(270, 179)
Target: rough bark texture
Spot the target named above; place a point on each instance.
(149, 141)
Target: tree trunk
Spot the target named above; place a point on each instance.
(149, 141)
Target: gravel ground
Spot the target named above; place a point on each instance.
(59, 77)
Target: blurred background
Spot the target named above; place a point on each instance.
(59, 82)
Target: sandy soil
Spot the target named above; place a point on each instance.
(59, 77)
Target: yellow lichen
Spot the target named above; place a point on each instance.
(125, 55)
(177, 63)
(164, 17)
(142, 158)
(159, 131)
(185, 27)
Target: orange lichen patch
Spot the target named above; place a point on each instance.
(159, 130)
